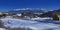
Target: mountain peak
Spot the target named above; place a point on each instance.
(22, 9)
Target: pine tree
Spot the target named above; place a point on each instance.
(55, 17)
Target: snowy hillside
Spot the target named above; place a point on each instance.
(28, 24)
(2, 29)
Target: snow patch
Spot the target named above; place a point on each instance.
(38, 18)
(2, 29)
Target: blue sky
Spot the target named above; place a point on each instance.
(6, 5)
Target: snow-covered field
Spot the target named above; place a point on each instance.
(32, 25)
(2, 29)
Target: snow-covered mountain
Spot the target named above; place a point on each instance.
(28, 10)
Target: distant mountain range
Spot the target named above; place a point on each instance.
(32, 11)
(27, 10)
(51, 13)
